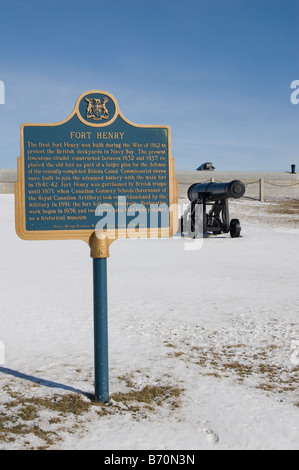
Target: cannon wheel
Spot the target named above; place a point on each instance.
(235, 228)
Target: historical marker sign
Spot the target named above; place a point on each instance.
(94, 170)
(97, 177)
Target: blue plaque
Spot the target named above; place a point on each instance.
(95, 171)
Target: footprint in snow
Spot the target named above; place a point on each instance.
(212, 436)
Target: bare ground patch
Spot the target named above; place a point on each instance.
(29, 421)
(267, 363)
(283, 212)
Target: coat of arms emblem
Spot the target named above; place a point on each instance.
(96, 109)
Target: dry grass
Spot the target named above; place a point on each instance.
(281, 213)
(239, 364)
(20, 418)
(147, 398)
(285, 207)
(150, 395)
(40, 422)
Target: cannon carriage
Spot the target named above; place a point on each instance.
(216, 220)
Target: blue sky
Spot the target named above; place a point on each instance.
(218, 72)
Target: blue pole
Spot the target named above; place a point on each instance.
(100, 329)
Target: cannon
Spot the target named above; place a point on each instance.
(216, 220)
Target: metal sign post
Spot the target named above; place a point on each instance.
(100, 252)
(100, 330)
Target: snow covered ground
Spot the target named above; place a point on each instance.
(203, 344)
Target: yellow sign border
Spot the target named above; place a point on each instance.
(85, 235)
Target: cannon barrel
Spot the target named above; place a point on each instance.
(215, 191)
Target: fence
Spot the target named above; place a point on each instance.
(260, 186)
(260, 193)
(7, 180)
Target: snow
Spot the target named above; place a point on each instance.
(214, 329)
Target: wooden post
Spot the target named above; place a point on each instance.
(261, 185)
